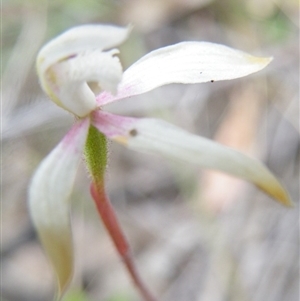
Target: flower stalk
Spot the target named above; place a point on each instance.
(113, 227)
(96, 160)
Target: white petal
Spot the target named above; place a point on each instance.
(49, 194)
(78, 39)
(185, 63)
(72, 77)
(159, 137)
(69, 62)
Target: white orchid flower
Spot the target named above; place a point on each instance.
(73, 68)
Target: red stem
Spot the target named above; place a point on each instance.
(112, 225)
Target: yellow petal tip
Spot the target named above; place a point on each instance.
(279, 194)
(262, 61)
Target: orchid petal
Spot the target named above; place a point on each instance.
(94, 66)
(79, 39)
(159, 137)
(72, 65)
(185, 63)
(48, 200)
(76, 78)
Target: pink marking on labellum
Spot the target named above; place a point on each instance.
(106, 97)
(71, 139)
(112, 125)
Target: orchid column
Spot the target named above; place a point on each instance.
(80, 72)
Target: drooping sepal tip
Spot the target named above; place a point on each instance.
(275, 190)
(49, 204)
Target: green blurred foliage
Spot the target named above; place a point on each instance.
(265, 18)
(75, 295)
(79, 295)
(277, 28)
(119, 297)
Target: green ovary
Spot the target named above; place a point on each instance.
(96, 154)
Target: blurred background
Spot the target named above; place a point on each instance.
(196, 235)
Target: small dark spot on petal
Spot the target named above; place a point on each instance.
(133, 132)
(72, 56)
(212, 81)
